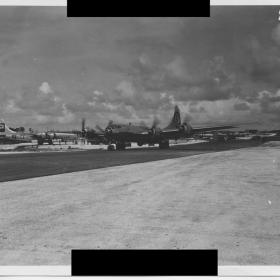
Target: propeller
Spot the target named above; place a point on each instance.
(185, 126)
(154, 127)
(110, 123)
(83, 124)
(84, 130)
(99, 128)
(156, 122)
(107, 130)
(187, 118)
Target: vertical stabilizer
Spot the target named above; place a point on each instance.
(4, 129)
(176, 120)
(2, 126)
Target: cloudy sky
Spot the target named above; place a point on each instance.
(55, 70)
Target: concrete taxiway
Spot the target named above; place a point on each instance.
(227, 200)
(16, 166)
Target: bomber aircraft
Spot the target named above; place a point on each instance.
(118, 135)
(50, 136)
(90, 135)
(10, 136)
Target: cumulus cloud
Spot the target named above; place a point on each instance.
(45, 88)
(276, 34)
(125, 89)
(197, 109)
(134, 68)
(11, 107)
(44, 106)
(212, 81)
(43, 100)
(67, 116)
(270, 104)
(241, 106)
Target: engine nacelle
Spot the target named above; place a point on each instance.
(186, 128)
(152, 131)
(108, 130)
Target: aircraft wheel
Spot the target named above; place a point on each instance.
(220, 139)
(164, 144)
(120, 146)
(111, 147)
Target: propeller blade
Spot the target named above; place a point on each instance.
(110, 123)
(100, 129)
(83, 124)
(156, 122)
(187, 118)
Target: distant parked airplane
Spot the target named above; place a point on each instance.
(91, 135)
(9, 136)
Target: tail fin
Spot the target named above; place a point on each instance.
(176, 120)
(5, 129)
(2, 126)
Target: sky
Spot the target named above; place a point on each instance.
(56, 70)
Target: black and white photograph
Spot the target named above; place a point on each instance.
(139, 133)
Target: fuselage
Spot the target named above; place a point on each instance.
(141, 134)
(62, 135)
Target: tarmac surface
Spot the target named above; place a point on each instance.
(226, 200)
(36, 164)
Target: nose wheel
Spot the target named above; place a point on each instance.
(120, 146)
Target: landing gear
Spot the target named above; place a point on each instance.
(120, 146)
(164, 144)
(222, 139)
(258, 138)
(111, 147)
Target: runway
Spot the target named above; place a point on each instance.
(30, 165)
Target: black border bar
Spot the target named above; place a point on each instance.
(144, 263)
(146, 8)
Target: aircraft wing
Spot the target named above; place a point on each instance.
(174, 132)
(171, 133)
(169, 130)
(211, 128)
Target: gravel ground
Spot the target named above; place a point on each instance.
(225, 200)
